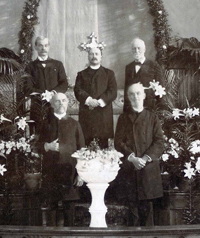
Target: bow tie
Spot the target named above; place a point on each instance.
(43, 61)
(137, 63)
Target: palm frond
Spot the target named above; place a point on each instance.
(9, 61)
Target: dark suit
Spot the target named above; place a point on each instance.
(59, 167)
(51, 77)
(101, 83)
(142, 134)
(148, 71)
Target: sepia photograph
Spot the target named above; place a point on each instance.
(99, 118)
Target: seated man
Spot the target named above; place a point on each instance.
(139, 137)
(60, 137)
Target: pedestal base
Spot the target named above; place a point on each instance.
(98, 208)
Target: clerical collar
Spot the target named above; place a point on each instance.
(138, 109)
(60, 116)
(95, 66)
(42, 59)
(141, 61)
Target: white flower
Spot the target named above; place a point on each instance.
(165, 157)
(160, 12)
(176, 113)
(195, 147)
(197, 166)
(2, 118)
(160, 91)
(22, 123)
(188, 112)
(189, 172)
(195, 112)
(164, 47)
(10, 144)
(47, 96)
(22, 51)
(153, 84)
(188, 165)
(174, 153)
(2, 169)
(28, 17)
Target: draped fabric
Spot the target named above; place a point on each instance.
(67, 23)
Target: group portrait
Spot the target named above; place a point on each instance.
(99, 118)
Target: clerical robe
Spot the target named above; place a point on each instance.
(59, 167)
(98, 84)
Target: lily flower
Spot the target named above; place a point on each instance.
(2, 169)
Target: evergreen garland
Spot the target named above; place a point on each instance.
(161, 30)
(28, 21)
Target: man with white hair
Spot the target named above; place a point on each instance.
(61, 136)
(46, 74)
(139, 137)
(144, 71)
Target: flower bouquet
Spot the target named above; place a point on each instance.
(97, 167)
(181, 158)
(18, 150)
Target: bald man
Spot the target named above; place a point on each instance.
(144, 71)
(61, 136)
(139, 137)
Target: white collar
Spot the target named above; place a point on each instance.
(60, 116)
(95, 66)
(42, 59)
(138, 109)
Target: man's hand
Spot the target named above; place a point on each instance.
(93, 103)
(78, 181)
(53, 146)
(139, 163)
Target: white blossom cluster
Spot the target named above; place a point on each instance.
(190, 170)
(101, 159)
(187, 113)
(172, 149)
(158, 89)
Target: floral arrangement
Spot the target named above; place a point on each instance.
(99, 164)
(17, 148)
(182, 146)
(108, 158)
(22, 149)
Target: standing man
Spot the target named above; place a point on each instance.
(46, 74)
(60, 137)
(144, 71)
(139, 137)
(96, 89)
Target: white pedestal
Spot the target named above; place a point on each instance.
(98, 208)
